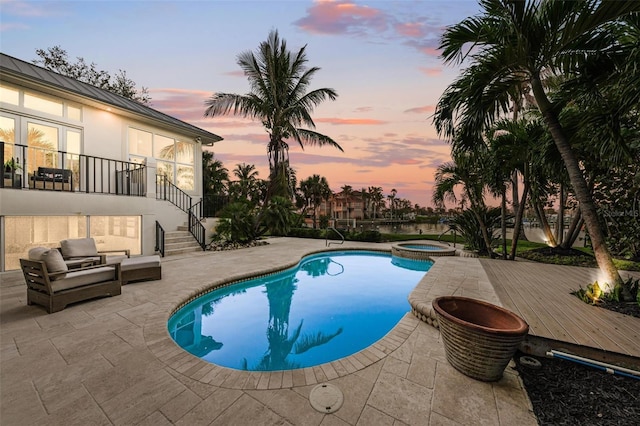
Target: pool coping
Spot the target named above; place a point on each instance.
(165, 349)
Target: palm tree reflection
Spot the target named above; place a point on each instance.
(281, 344)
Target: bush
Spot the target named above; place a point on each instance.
(306, 233)
(371, 236)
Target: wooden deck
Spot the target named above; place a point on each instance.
(541, 295)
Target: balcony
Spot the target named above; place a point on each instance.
(35, 168)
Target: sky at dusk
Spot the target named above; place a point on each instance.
(380, 56)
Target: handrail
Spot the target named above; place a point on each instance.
(159, 239)
(166, 190)
(76, 172)
(195, 226)
(326, 240)
(455, 235)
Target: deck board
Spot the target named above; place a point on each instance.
(541, 295)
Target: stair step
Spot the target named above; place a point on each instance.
(183, 239)
(187, 244)
(169, 252)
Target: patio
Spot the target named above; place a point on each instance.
(111, 361)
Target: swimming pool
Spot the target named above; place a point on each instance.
(331, 305)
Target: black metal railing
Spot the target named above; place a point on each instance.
(212, 204)
(41, 168)
(195, 226)
(166, 190)
(159, 239)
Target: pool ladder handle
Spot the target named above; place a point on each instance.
(326, 240)
(451, 229)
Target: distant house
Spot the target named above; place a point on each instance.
(80, 161)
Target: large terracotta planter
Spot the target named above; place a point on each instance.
(479, 338)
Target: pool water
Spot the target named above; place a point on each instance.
(331, 305)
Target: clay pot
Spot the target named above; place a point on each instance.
(479, 338)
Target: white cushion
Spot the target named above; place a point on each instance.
(84, 277)
(36, 253)
(78, 247)
(139, 262)
(55, 263)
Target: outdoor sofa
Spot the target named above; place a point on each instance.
(52, 284)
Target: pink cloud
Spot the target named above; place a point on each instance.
(350, 121)
(341, 17)
(238, 73)
(422, 110)
(432, 71)
(410, 29)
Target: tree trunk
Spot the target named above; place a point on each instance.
(515, 201)
(518, 222)
(560, 220)
(503, 224)
(579, 184)
(544, 224)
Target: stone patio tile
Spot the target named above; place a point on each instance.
(289, 405)
(244, 411)
(83, 343)
(438, 419)
(210, 408)
(298, 377)
(136, 402)
(422, 370)
(395, 366)
(64, 386)
(20, 403)
(155, 419)
(108, 385)
(180, 405)
(132, 335)
(138, 314)
(356, 391)
(514, 415)
(332, 420)
(462, 398)
(22, 368)
(372, 417)
(81, 412)
(371, 372)
(402, 399)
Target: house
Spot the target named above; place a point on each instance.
(80, 161)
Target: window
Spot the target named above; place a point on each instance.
(74, 113)
(9, 95)
(109, 232)
(140, 143)
(175, 158)
(7, 135)
(43, 144)
(41, 104)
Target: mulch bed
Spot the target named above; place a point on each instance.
(567, 393)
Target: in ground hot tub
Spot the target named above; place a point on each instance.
(421, 250)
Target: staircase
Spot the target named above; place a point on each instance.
(180, 241)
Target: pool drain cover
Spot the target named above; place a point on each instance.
(326, 398)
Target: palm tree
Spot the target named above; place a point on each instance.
(214, 175)
(347, 192)
(279, 81)
(377, 197)
(466, 172)
(511, 45)
(314, 190)
(247, 177)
